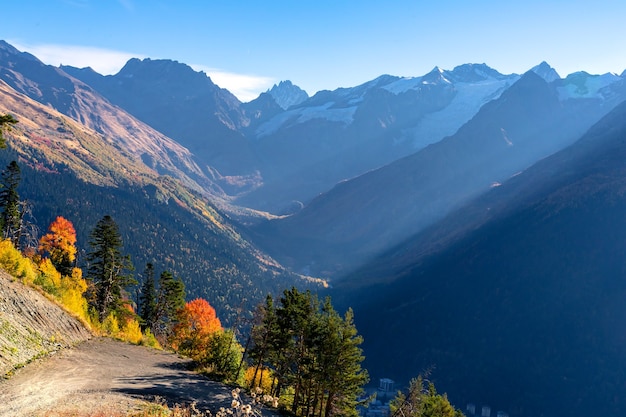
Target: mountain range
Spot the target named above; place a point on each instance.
(472, 219)
(361, 217)
(282, 156)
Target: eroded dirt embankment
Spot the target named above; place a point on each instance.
(32, 326)
(86, 376)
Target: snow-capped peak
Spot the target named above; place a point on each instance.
(546, 72)
(286, 94)
(436, 76)
(472, 73)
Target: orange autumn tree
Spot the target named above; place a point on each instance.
(197, 322)
(60, 244)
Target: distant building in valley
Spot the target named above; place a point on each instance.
(386, 385)
(485, 411)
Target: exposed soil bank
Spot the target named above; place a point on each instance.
(106, 375)
(32, 326)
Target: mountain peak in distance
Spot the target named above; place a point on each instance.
(471, 73)
(286, 94)
(7, 49)
(157, 67)
(436, 76)
(545, 71)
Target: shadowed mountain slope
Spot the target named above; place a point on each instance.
(517, 299)
(344, 133)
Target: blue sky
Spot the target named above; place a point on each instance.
(247, 46)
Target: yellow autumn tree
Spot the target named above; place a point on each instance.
(262, 379)
(49, 278)
(73, 288)
(12, 261)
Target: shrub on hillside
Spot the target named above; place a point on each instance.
(12, 261)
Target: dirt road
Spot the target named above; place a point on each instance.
(109, 376)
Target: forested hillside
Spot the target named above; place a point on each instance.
(69, 170)
(161, 232)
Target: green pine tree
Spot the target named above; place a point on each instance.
(340, 373)
(313, 351)
(263, 333)
(170, 299)
(422, 400)
(11, 217)
(6, 121)
(147, 309)
(109, 271)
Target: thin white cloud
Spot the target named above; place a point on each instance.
(103, 61)
(245, 87)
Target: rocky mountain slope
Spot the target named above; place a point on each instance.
(79, 374)
(286, 94)
(278, 152)
(184, 105)
(32, 326)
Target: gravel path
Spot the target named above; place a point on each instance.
(103, 375)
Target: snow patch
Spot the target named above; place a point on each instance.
(469, 98)
(404, 85)
(413, 83)
(343, 115)
(583, 85)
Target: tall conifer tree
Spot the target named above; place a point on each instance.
(170, 299)
(109, 270)
(11, 217)
(148, 299)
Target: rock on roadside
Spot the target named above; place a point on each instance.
(32, 326)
